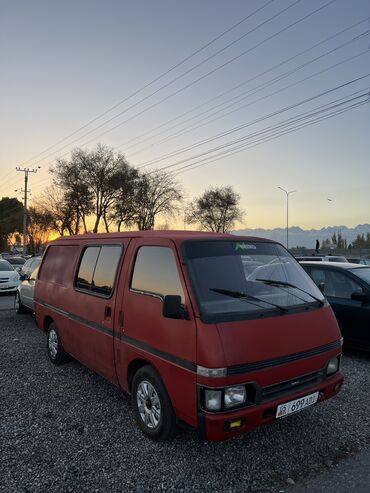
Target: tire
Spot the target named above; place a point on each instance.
(54, 346)
(152, 406)
(18, 306)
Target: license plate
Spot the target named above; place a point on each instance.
(4, 286)
(296, 405)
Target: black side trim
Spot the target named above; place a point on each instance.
(261, 365)
(161, 354)
(92, 325)
(188, 365)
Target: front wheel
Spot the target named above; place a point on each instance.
(152, 406)
(54, 346)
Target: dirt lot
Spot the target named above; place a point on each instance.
(66, 429)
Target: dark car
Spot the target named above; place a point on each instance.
(347, 288)
(16, 262)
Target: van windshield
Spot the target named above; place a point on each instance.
(246, 277)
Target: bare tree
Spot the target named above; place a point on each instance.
(55, 202)
(150, 195)
(40, 224)
(106, 174)
(216, 210)
(76, 199)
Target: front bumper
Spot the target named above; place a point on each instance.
(214, 427)
(11, 288)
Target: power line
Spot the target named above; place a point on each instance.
(244, 138)
(153, 81)
(262, 140)
(301, 19)
(257, 89)
(224, 93)
(207, 121)
(247, 124)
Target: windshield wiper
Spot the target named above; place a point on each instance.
(246, 297)
(272, 282)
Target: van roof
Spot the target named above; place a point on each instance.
(169, 234)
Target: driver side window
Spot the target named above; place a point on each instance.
(155, 272)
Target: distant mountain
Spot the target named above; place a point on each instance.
(306, 237)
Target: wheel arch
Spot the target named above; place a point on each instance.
(133, 367)
(47, 321)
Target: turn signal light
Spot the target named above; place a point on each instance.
(234, 424)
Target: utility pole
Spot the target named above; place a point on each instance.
(287, 214)
(25, 171)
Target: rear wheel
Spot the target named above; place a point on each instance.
(54, 346)
(18, 305)
(152, 406)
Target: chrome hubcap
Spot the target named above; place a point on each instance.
(53, 343)
(148, 404)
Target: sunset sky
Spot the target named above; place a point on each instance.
(64, 63)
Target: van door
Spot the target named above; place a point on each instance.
(91, 309)
(168, 344)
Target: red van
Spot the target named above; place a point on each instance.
(219, 332)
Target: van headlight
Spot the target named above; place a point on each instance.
(213, 399)
(333, 366)
(234, 396)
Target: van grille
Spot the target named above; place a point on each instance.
(296, 384)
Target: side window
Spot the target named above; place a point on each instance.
(155, 272)
(98, 268)
(58, 264)
(106, 269)
(87, 267)
(343, 286)
(323, 276)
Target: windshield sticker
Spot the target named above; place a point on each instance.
(245, 246)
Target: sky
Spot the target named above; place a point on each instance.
(65, 63)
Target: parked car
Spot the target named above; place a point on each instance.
(25, 293)
(29, 266)
(9, 277)
(173, 319)
(347, 288)
(17, 262)
(362, 261)
(321, 258)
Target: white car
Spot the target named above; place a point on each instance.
(321, 258)
(9, 277)
(24, 296)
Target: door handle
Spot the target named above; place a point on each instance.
(120, 319)
(107, 312)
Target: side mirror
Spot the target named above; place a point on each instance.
(172, 307)
(358, 296)
(321, 286)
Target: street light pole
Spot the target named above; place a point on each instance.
(287, 213)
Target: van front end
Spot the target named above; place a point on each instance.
(217, 426)
(238, 398)
(268, 344)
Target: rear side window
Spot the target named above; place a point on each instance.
(155, 272)
(58, 264)
(98, 269)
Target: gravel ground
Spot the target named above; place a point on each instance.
(66, 429)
